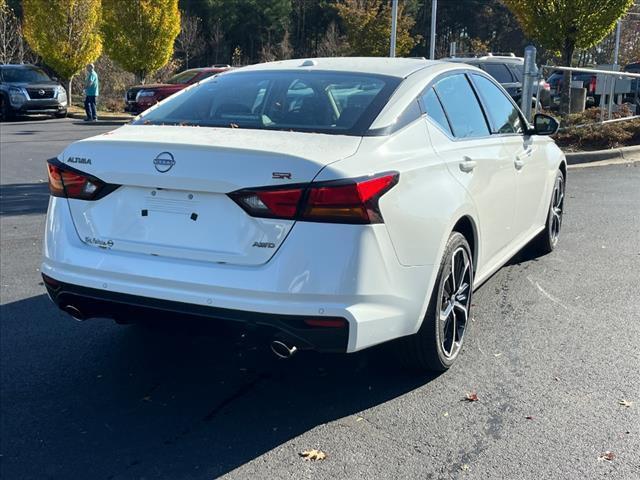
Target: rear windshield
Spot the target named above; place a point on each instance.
(24, 74)
(319, 101)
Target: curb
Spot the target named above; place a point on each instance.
(106, 117)
(624, 153)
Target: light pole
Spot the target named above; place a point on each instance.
(432, 44)
(394, 28)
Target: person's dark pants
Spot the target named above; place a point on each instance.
(90, 107)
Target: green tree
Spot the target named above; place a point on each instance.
(565, 25)
(368, 27)
(64, 33)
(139, 34)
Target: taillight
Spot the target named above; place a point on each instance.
(68, 183)
(592, 84)
(340, 201)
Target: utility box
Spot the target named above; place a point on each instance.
(578, 99)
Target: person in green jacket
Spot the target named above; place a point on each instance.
(91, 92)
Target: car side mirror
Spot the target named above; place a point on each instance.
(545, 124)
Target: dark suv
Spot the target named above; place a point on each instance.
(26, 89)
(508, 71)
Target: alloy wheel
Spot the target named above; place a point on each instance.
(454, 303)
(557, 202)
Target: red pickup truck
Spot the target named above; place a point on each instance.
(140, 97)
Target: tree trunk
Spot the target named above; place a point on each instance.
(67, 85)
(565, 96)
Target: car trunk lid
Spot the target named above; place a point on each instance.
(174, 181)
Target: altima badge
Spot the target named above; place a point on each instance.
(164, 162)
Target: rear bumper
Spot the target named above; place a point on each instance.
(91, 302)
(322, 270)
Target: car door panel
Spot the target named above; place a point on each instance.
(485, 169)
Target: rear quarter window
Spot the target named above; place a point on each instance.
(499, 71)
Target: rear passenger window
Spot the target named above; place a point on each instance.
(499, 71)
(433, 108)
(462, 107)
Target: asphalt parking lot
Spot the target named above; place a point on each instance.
(553, 355)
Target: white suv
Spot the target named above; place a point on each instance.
(340, 202)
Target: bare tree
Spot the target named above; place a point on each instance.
(189, 41)
(12, 45)
(216, 40)
(332, 44)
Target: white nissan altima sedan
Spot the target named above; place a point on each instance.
(338, 202)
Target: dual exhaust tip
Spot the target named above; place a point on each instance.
(279, 348)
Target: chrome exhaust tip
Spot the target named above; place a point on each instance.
(282, 350)
(74, 312)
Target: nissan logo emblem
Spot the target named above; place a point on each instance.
(164, 162)
(41, 92)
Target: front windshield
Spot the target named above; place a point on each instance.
(183, 77)
(319, 101)
(24, 75)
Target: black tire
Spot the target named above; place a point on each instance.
(547, 240)
(61, 114)
(6, 114)
(427, 349)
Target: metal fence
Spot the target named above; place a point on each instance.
(616, 94)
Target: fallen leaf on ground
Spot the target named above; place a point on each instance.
(471, 397)
(359, 419)
(313, 455)
(624, 403)
(608, 456)
(497, 354)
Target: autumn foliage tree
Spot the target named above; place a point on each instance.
(566, 25)
(139, 34)
(65, 33)
(368, 27)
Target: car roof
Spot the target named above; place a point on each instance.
(487, 59)
(393, 67)
(18, 65)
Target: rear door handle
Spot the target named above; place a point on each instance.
(467, 165)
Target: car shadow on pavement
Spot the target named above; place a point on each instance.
(24, 198)
(102, 123)
(178, 399)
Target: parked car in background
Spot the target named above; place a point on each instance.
(508, 70)
(588, 79)
(140, 97)
(27, 89)
(634, 96)
(336, 202)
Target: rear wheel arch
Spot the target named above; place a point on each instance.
(467, 227)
